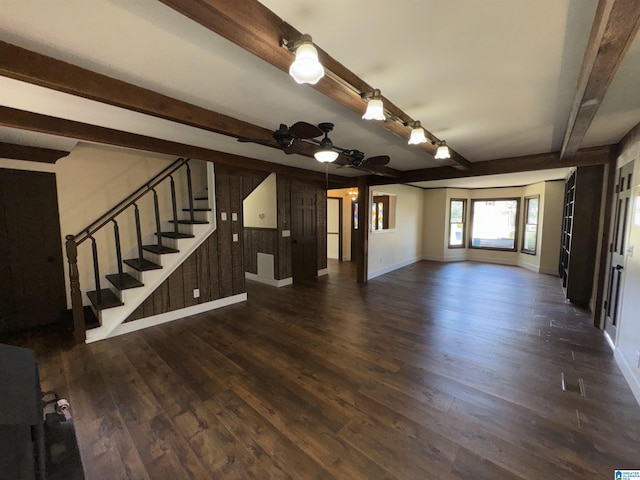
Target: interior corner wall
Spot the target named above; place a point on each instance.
(260, 206)
(551, 227)
(434, 233)
(395, 248)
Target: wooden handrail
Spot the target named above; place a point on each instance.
(72, 242)
(97, 224)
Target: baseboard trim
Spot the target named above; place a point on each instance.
(324, 271)
(143, 323)
(627, 372)
(268, 281)
(391, 268)
(609, 340)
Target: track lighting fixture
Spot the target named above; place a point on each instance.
(443, 151)
(306, 68)
(375, 107)
(326, 154)
(417, 134)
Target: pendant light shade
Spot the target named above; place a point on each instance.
(443, 151)
(306, 68)
(417, 135)
(375, 107)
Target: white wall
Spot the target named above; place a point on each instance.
(436, 226)
(434, 234)
(260, 208)
(392, 249)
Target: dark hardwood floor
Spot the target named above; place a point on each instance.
(434, 371)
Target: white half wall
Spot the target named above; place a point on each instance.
(392, 249)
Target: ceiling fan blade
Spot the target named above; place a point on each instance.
(304, 130)
(379, 160)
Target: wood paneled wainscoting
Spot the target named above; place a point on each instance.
(433, 371)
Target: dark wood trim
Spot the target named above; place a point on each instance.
(608, 184)
(33, 154)
(543, 161)
(255, 28)
(614, 28)
(36, 122)
(362, 236)
(27, 66)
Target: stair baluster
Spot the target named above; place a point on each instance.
(96, 270)
(157, 212)
(190, 192)
(138, 232)
(116, 234)
(174, 205)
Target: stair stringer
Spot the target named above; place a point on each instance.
(111, 318)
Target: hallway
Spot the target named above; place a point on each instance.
(447, 371)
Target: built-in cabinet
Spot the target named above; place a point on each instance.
(579, 240)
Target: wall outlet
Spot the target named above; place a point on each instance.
(223, 216)
(234, 217)
(235, 237)
(196, 293)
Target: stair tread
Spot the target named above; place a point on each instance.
(176, 235)
(124, 281)
(191, 222)
(201, 198)
(159, 249)
(90, 319)
(197, 210)
(108, 300)
(142, 264)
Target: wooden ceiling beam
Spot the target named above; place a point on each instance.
(35, 122)
(31, 67)
(528, 163)
(255, 28)
(615, 26)
(33, 154)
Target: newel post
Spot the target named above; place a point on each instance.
(76, 294)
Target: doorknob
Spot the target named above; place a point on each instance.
(619, 267)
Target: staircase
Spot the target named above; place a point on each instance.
(157, 254)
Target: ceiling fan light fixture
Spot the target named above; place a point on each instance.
(417, 135)
(306, 68)
(326, 154)
(443, 151)
(375, 107)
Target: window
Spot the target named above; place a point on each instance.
(383, 207)
(530, 237)
(457, 216)
(493, 223)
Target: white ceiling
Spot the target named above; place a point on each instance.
(494, 78)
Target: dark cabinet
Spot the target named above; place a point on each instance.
(579, 241)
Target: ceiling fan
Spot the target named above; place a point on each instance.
(302, 135)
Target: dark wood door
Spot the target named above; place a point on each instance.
(303, 236)
(618, 245)
(31, 264)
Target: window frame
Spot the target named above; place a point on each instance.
(464, 223)
(516, 223)
(525, 214)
